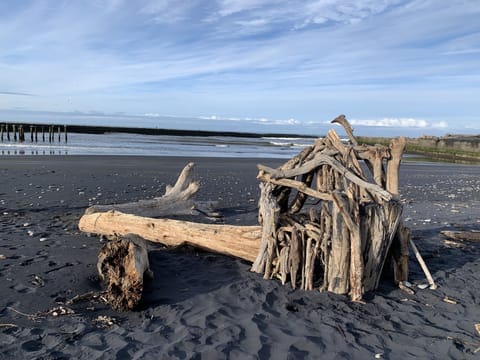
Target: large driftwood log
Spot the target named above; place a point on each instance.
(176, 201)
(122, 265)
(239, 241)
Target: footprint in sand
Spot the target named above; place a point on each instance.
(32, 345)
(23, 289)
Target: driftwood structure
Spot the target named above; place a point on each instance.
(329, 219)
(350, 224)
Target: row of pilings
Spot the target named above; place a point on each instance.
(18, 132)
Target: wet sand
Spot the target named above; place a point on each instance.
(209, 306)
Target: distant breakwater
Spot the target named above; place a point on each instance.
(88, 129)
(456, 148)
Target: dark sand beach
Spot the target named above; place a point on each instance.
(208, 306)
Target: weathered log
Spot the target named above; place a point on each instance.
(268, 218)
(321, 159)
(473, 235)
(298, 185)
(378, 227)
(176, 201)
(403, 237)
(397, 147)
(122, 265)
(239, 241)
(341, 119)
(400, 254)
(339, 257)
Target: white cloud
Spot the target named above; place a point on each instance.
(167, 11)
(440, 125)
(230, 7)
(398, 122)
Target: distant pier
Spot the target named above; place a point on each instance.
(20, 132)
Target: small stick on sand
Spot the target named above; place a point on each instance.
(424, 267)
(30, 316)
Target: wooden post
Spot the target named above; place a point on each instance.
(397, 147)
(65, 131)
(50, 134)
(14, 133)
(43, 133)
(31, 133)
(339, 263)
(59, 133)
(2, 132)
(36, 134)
(8, 132)
(402, 238)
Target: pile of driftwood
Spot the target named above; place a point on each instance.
(329, 219)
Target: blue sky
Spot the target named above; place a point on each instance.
(394, 67)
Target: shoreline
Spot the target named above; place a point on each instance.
(451, 148)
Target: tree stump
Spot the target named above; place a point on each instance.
(122, 265)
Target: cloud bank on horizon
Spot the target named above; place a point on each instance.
(398, 66)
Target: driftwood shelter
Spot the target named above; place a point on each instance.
(329, 219)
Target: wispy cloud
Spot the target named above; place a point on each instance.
(399, 122)
(15, 93)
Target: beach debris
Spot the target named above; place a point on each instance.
(461, 342)
(99, 296)
(104, 321)
(38, 281)
(42, 239)
(8, 325)
(60, 311)
(30, 233)
(477, 328)
(406, 287)
(319, 209)
(449, 300)
(473, 235)
(453, 244)
(2, 257)
(423, 286)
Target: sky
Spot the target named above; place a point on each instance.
(393, 67)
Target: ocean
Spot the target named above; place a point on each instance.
(160, 145)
